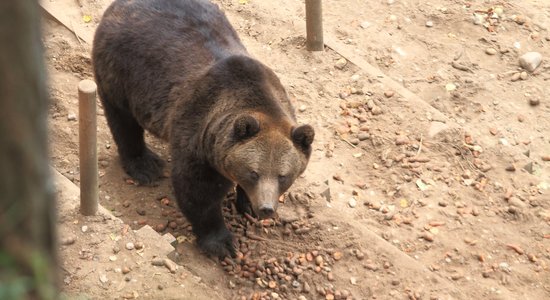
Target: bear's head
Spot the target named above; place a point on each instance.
(266, 158)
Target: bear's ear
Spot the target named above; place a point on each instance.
(303, 135)
(246, 126)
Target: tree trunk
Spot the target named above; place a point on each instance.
(28, 262)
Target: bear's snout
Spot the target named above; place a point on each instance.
(266, 211)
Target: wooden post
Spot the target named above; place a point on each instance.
(314, 25)
(88, 147)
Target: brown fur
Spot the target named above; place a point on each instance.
(177, 69)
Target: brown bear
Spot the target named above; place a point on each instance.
(178, 69)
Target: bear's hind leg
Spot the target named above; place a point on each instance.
(137, 159)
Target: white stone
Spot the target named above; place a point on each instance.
(530, 61)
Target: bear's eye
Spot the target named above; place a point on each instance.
(254, 175)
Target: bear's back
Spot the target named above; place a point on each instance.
(143, 47)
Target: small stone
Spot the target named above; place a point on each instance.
(138, 245)
(363, 136)
(513, 201)
(490, 51)
(534, 101)
(330, 276)
(523, 75)
(456, 276)
(160, 227)
(360, 255)
(521, 118)
(116, 249)
(355, 141)
(352, 202)
(450, 87)
(529, 168)
(389, 94)
(504, 267)
(318, 260)
(511, 168)
(157, 261)
(477, 19)
(337, 255)
(125, 270)
(545, 158)
(442, 203)
(71, 117)
(272, 284)
(376, 110)
(365, 24)
(69, 240)
(130, 246)
(103, 278)
(353, 280)
(515, 76)
(427, 236)
(172, 266)
(112, 258)
(160, 287)
(429, 24)
(141, 211)
(302, 108)
(84, 228)
(530, 61)
(341, 63)
(401, 140)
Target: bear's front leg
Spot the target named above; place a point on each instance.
(200, 191)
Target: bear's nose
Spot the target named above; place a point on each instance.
(266, 211)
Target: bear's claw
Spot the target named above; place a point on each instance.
(219, 244)
(146, 168)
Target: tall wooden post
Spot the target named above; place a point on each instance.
(314, 25)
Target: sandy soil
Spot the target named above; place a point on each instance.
(441, 193)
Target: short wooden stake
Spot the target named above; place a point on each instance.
(88, 147)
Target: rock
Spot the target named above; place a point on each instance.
(352, 203)
(376, 110)
(337, 255)
(429, 24)
(477, 19)
(103, 278)
(513, 201)
(363, 136)
(529, 168)
(71, 117)
(341, 63)
(523, 75)
(389, 94)
(157, 261)
(516, 76)
(401, 140)
(318, 260)
(353, 280)
(69, 240)
(172, 266)
(125, 270)
(130, 246)
(302, 108)
(490, 51)
(534, 101)
(365, 24)
(530, 61)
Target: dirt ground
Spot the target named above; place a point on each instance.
(429, 177)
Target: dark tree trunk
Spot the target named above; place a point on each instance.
(28, 259)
